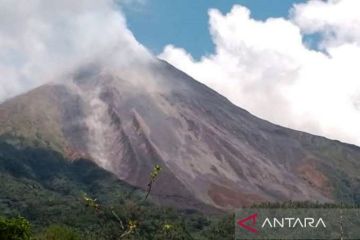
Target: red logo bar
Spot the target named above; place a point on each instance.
(249, 227)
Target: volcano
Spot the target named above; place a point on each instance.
(213, 154)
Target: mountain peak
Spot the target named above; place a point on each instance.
(212, 152)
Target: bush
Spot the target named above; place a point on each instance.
(57, 232)
(15, 229)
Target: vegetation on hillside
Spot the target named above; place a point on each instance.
(63, 200)
(53, 194)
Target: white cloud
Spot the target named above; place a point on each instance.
(42, 39)
(264, 66)
(337, 21)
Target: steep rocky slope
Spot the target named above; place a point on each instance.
(212, 152)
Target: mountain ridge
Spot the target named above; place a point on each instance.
(212, 151)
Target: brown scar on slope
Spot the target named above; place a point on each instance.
(315, 178)
(225, 197)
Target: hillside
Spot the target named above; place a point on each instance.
(49, 191)
(214, 154)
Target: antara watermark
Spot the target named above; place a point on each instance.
(292, 222)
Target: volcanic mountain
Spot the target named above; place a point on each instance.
(213, 153)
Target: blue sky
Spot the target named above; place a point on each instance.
(184, 23)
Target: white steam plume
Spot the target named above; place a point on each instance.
(42, 39)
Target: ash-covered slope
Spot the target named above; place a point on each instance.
(212, 152)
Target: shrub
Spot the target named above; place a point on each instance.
(15, 229)
(57, 232)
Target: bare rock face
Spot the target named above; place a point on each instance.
(213, 153)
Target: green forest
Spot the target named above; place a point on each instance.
(44, 196)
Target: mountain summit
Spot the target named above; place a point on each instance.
(212, 152)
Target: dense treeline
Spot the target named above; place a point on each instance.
(157, 226)
(138, 220)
